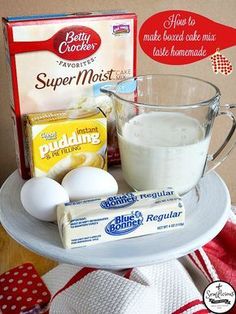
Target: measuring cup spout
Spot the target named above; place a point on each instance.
(109, 89)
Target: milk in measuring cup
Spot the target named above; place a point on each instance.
(163, 149)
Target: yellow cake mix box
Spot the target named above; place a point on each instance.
(60, 61)
(60, 141)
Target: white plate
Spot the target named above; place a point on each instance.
(203, 223)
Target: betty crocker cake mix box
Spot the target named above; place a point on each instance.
(59, 62)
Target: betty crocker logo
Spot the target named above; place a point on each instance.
(76, 42)
(69, 43)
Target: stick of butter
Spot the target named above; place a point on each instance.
(87, 222)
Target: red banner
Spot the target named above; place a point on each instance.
(182, 37)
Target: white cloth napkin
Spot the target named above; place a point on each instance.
(172, 287)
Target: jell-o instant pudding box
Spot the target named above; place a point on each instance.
(59, 62)
(60, 141)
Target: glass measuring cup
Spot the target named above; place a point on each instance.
(164, 125)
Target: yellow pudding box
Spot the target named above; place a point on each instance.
(60, 141)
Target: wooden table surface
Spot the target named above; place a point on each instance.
(13, 254)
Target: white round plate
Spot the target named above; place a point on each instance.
(203, 222)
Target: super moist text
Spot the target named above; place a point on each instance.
(83, 77)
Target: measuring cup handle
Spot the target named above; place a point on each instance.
(219, 156)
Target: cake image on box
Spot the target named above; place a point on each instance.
(59, 62)
(60, 141)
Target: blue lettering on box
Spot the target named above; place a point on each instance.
(119, 201)
(124, 224)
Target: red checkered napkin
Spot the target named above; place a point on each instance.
(23, 291)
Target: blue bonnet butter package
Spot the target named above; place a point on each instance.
(88, 222)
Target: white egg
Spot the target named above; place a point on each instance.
(40, 196)
(89, 182)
